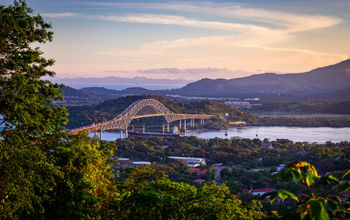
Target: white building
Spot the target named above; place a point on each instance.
(140, 163)
(190, 161)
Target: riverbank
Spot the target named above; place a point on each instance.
(296, 134)
(302, 115)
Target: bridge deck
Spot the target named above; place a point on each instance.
(123, 120)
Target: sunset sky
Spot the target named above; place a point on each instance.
(194, 39)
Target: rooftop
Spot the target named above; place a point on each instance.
(263, 190)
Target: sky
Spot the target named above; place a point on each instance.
(193, 39)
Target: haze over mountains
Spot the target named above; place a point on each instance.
(329, 79)
(113, 82)
(330, 82)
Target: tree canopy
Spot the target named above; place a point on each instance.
(44, 172)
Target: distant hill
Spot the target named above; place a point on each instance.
(107, 110)
(99, 90)
(128, 91)
(329, 80)
(75, 95)
(330, 83)
(121, 83)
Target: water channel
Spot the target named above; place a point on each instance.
(296, 134)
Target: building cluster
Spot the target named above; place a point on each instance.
(240, 104)
(190, 161)
(126, 162)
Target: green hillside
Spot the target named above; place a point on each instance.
(107, 110)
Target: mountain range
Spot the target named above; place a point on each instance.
(325, 83)
(325, 80)
(121, 83)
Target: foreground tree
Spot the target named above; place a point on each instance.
(44, 172)
(313, 205)
(26, 117)
(26, 100)
(149, 195)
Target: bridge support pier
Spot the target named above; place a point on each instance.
(185, 125)
(121, 134)
(95, 135)
(143, 129)
(163, 128)
(126, 133)
(180, 124)
(101, 134)
(167, 127)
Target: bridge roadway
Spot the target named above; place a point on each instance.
(122, 121)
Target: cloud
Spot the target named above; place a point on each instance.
(250, 40)
(249, 44)
(181, 21)
(291, 21)
(59, 15)
(241, 57)
(265, 27)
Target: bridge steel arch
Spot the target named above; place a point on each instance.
(122, 121)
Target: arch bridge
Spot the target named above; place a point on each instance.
(143, 108)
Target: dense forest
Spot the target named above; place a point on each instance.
(49, 173)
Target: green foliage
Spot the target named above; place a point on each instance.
(44, 172)
(312, 205)
(85, 187)
(298, 172)
(283, 194)
(315, 209)
(27, 115)
(25, 99)
(62, 177)
(148, 195)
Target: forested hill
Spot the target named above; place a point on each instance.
(326, 82)
(107, 110)
(72, 95)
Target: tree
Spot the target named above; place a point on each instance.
(44, 172)
(150, 195)
(26, 100)
(27, 116)
(323, 206)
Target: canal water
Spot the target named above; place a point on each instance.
(296, 134)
